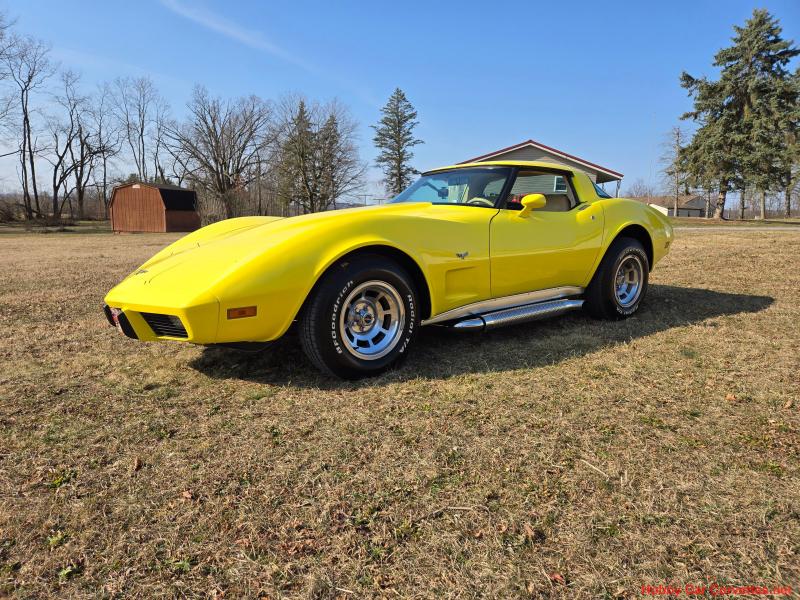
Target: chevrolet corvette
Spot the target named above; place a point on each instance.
(472, 247)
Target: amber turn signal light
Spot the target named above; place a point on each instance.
(241, 312)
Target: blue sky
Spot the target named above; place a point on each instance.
(595, 79)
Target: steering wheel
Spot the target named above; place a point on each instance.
(480, 202)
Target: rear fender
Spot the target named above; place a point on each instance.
(620, 213)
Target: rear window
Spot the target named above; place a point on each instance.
(600, 191)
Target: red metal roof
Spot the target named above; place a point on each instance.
(546, 148)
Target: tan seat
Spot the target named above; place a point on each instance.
(556, 203)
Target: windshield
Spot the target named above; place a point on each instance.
(473, 187)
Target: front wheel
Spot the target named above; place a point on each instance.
(620, 283)
(361, 319)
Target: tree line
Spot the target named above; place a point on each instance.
(746, 139)
(242, 155)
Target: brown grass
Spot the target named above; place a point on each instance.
(567, 459)
(750, 222)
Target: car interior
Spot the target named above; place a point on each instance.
(553, 186)
(483, 187)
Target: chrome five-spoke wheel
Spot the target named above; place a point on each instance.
(628, 281)
(362, 317)
(372, 320)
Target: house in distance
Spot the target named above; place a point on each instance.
(154, 208)
(689, 205)
(533, 150)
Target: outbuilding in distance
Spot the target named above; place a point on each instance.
(533, 150)
(154, 208)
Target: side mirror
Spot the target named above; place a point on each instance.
(530, 202)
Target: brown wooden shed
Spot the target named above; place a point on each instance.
(153, 208)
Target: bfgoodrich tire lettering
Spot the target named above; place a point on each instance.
(620, 283)
(361, 319)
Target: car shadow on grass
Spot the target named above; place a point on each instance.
(441, 352)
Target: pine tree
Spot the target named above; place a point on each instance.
(318, 158)
(758, 61)
(394, 137)
(328, 145)
(788, 126)
(737, 142)
(711, 157)
(297, 156)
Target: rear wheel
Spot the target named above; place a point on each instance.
(361, 319)
(620, 283)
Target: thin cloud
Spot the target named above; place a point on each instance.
(229, 29)
(256, 40)
(103, 64)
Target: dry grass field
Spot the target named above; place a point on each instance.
(561, 459)
(782, 223)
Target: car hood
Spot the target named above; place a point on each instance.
(208, 255)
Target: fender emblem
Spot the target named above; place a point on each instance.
(462, 255)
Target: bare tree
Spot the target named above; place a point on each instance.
(142, 113)
(63, 129)
(108, 136)
(674, 171)
(86, 151)
(159, 141)
(221, 143)
(28, 66)
(640, 189)
(177, 169)
(76, 147)
(6, 47)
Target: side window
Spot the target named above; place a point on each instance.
(554, 187)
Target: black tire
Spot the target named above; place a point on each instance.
(324, 334)
(601, 298)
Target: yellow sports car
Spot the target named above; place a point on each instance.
(472, 247)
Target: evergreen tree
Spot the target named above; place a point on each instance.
(394, 137)
(710, 157)
(296, 159)
(329, 157)
(318, 159)
(788, 126)
(737, 142)
(759, 59)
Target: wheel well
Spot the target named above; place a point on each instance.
(640, 234)
(402, 259)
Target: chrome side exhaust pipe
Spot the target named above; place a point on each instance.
(517, 314)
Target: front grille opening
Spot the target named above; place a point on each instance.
(165, 325)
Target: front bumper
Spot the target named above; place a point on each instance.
(196, 324)
(193, 309)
